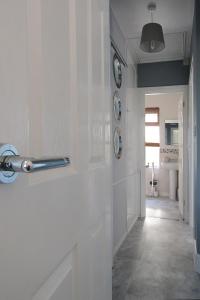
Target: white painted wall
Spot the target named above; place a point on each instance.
(191, 148)
(132, 146)
(168, 104)
(117, 36)
(119, 166)
(126, 174)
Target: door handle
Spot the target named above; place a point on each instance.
(18, 164)
(11, 163)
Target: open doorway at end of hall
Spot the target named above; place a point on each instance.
(164, 155)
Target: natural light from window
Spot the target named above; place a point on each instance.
(152, 156)
(152, 134)
(152, 137)
(151, 118)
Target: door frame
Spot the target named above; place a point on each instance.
(155, 90)
(192, 163)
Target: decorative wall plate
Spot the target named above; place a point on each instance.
(117, 71)
(117, 143)
(117, 106)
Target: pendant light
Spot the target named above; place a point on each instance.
(152, 39)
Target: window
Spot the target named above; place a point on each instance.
(152, 136)
(152, 156)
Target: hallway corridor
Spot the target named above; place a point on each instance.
(155, 261)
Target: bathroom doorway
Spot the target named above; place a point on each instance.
(165, 179)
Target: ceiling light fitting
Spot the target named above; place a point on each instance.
(152, 39)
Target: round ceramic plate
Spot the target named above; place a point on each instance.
(117, 106)
(117, 71)
(117, 143)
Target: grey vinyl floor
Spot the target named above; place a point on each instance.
(155, 261)
(162, 208)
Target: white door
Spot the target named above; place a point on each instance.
(55, 237)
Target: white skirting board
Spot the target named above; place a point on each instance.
(196, 260)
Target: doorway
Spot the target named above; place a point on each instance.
(165, 153)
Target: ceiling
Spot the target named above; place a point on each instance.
(175, 16)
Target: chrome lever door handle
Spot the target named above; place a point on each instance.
(29, 165)
(11, 163)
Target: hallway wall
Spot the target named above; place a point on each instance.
(117, 36)
(165, 73)
(196, 94)
(191, 148)
(119, 165)
(126, 174)
(132, 146)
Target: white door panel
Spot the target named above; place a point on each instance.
(55, 225)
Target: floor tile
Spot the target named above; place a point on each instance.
(156, 259)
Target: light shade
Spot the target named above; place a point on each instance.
(152, 39)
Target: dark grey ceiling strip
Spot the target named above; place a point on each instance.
(118, 52)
